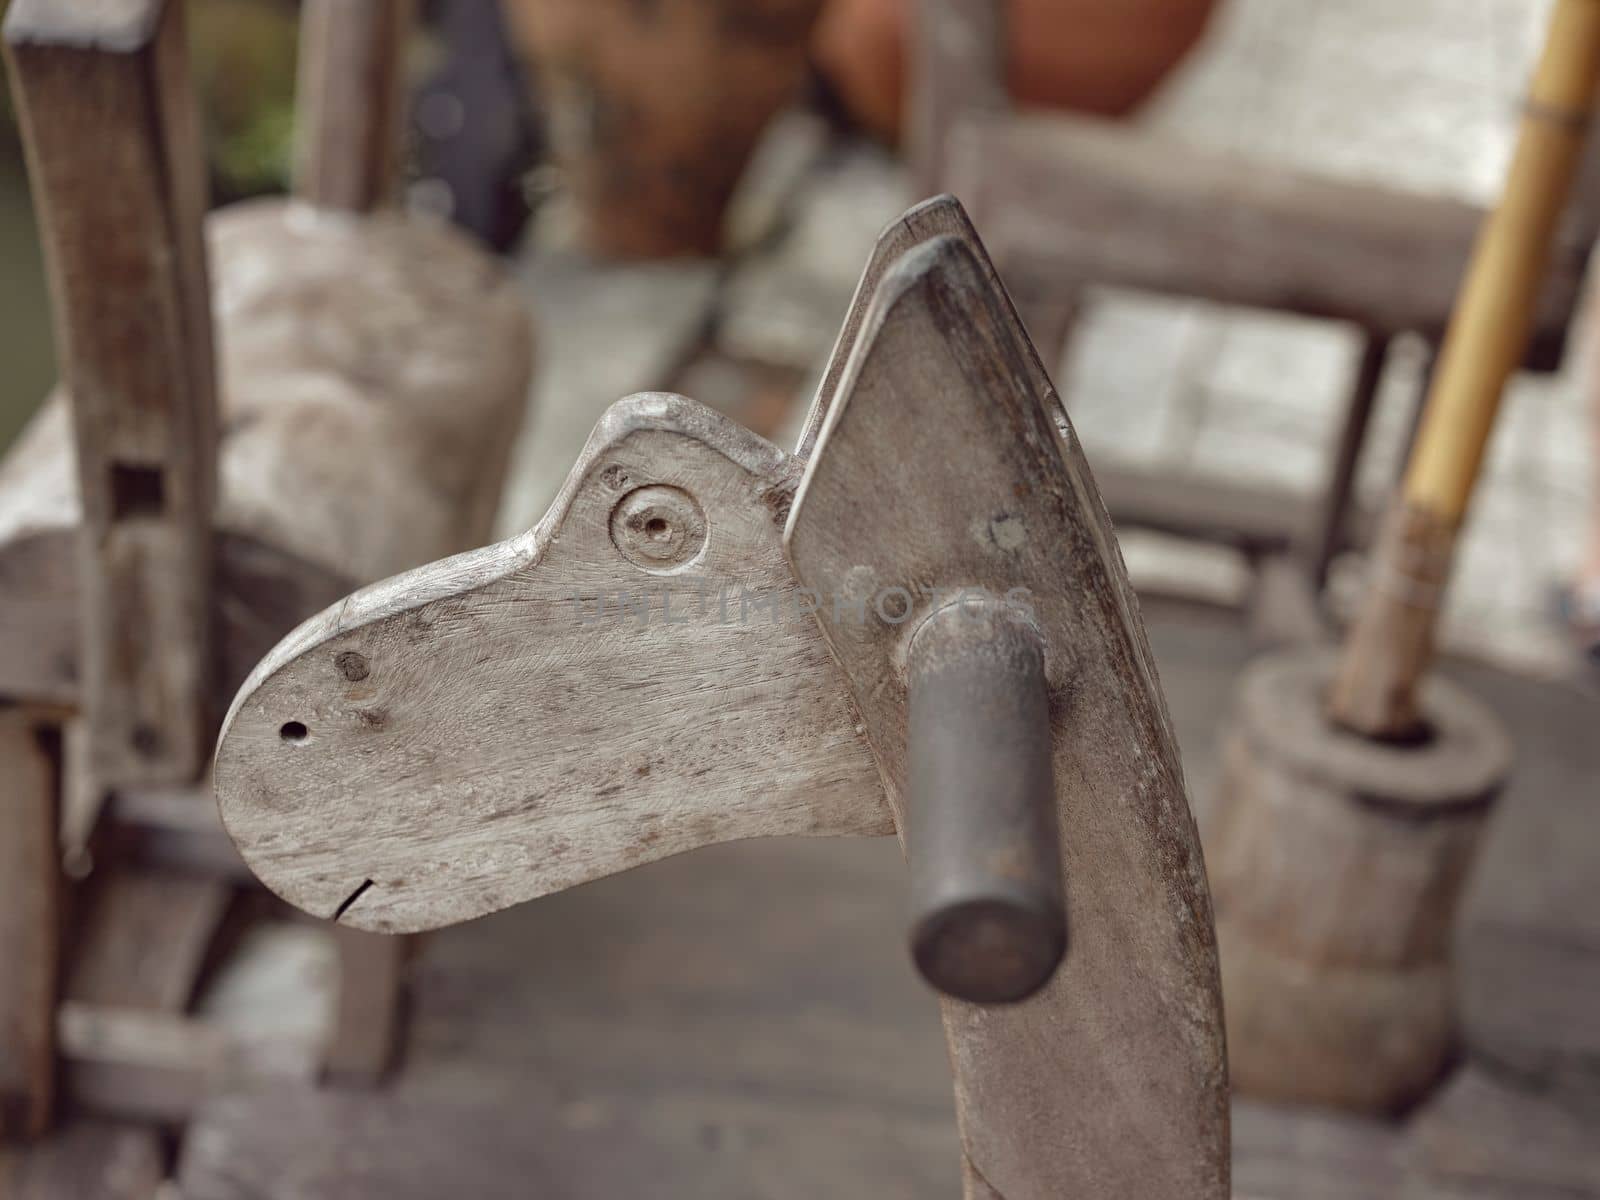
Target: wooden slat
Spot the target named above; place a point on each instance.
(30, 916)
(766, 1146)
(118, 177)
(1484, 1139)
(1066, 202)
(352, 101)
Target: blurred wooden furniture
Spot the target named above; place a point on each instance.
(653, 110)
(179, 505)
(1088, 56)
(1071, 203)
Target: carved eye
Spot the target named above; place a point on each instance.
(658, 528)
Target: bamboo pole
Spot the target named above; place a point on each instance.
(1391, 645)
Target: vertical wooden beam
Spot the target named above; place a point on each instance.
(366, 1028)
(30, 921)
(352, 101)
(114, 153)
(1334, 516)
(958, 66)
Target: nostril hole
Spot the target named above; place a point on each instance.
(657, 528)
(293, 731)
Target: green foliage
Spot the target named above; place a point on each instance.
(244, 62)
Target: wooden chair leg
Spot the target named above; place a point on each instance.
(1335, 516)
(30, 920)
(366, 1028)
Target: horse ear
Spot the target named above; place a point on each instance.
(942, 216)
(943, 465)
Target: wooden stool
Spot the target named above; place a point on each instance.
(1068, 203)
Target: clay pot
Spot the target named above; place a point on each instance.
(655, 105)
(1096, 56)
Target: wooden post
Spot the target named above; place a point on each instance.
(1391, 645)
(352, 101)
(30, 919)
(958, 66)
(114, 153)
(1333, 516)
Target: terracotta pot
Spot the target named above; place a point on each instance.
(655, 106)
(1097, 56)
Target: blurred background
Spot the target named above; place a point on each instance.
(731, 284)
(685, 193)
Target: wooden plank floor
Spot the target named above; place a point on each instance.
(743, 1022)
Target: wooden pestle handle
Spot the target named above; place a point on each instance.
(1391, 645)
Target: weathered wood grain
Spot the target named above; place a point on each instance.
(30, 917)
(116, 165)
(946, 462)
(351, 101)
(941, 214)
(388, 740)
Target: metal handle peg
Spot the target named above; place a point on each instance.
(988, 914)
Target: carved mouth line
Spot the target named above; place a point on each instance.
(351, 899)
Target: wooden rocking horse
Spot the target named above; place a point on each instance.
(918, 623)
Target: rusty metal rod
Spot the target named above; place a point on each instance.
(988, 916)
